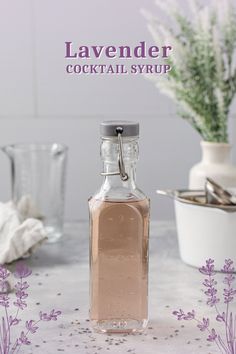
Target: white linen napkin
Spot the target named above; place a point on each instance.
(18, 236)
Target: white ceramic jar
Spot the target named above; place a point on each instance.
(216, 164)
(205, 232)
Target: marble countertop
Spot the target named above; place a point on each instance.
(60, 280)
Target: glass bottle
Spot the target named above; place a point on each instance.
(119, 232)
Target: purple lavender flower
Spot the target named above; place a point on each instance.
(48, 317)
(190, 315)
(4, 300)
(229, 295)
(228, 266)
(30, 325)
(210, 291)
(22, 271)
(204, 324)
(21, 285)
(3, 272)
(21, 294)
(20, 304)
(220, 318)
(54, 314)
(208, 269)
(8, 321)
(4, 286)
(227, 346)
(13, 321)
(210, 283)
(228, 280)
(181, 315)
(212, 336)
(212, 301)
(23, 339)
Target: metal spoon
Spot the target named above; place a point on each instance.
(216, 194)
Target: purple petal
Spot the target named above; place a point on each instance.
(220, 318)
(22, 271)
(3, 272)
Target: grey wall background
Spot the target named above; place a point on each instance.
(39, 102)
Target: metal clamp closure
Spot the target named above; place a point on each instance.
(123, 175)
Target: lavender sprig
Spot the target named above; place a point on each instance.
(210, 283)
(229, 292)
(227, 345)
(7, 321)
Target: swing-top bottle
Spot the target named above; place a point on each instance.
(119, 232)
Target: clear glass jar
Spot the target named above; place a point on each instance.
(119, 231)
(38, 183)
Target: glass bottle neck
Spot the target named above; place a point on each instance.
(115, 181)
(110, 153)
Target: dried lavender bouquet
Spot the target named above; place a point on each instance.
(203, 77)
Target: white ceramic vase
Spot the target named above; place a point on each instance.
(216, 163)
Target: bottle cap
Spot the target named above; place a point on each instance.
(111, 128)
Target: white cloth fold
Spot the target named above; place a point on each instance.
(18, 238)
